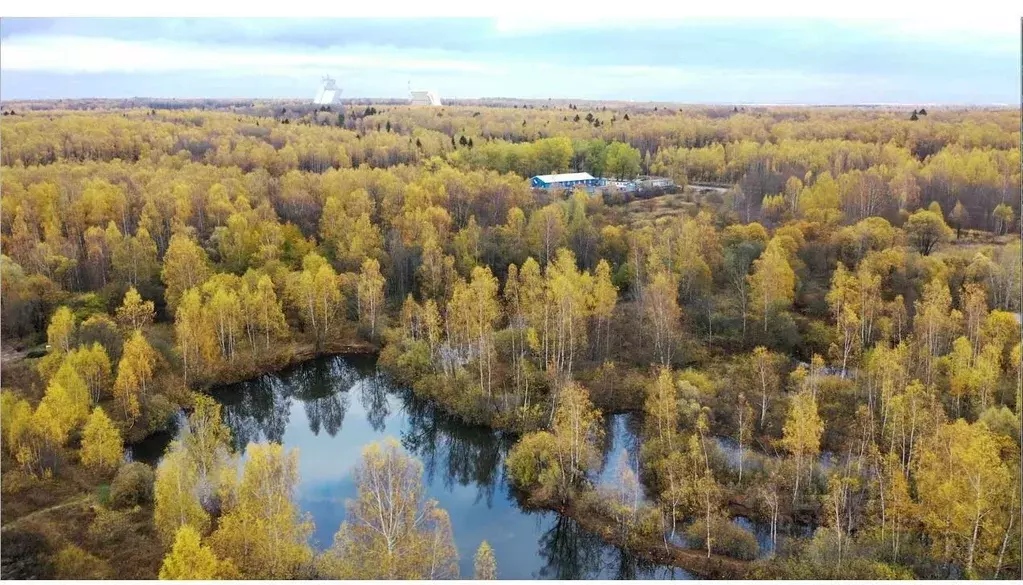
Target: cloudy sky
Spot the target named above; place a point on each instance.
(692, 60)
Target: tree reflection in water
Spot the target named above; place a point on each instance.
(468, 455)
(256, 410)
(323, 390)
(621, 431)
(373, 396)
(454, 455)
(570, 552)
(259, 409)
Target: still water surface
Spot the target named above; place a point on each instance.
(330, 408)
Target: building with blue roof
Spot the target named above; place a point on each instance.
(566, 181)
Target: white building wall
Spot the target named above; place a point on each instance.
(424, 98)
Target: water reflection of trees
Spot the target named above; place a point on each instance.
(621, 431)
(461, 454)
(256, 410)
(373, 397)
(259, 409)
(323, 390)
(571, 552)
(327, 412)
(465, 454)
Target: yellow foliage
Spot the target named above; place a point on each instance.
(134, 313)
(177, 502)
(190, 560)
(185, 266)
(801, 435)
(370, 297)
(102, 447)
(67, 402)
(262, 532)
(93, 365)
(134, 374)
(391, 531)
(73, 563)
(485, 566)
(773, 281)
(15, 418)
(60, 330)
(961, 480)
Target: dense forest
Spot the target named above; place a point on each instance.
(835, 290)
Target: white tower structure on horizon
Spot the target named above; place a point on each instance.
(329, 93)
(420, 97)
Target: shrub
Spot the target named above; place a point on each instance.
(132, 486)
(416, 361)
(36, 353)
(817, 558)
(649, 523)
(159, 412)
(646, 523)
(103, 494)
(110, 526)
(533, 466)
(726, 538)
(87, 304)
(25, 555)
(74, 563)
(101, 329)
(1001, 421)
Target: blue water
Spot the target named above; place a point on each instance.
(621, 434)
(330, 408)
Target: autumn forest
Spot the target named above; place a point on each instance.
(817, 328)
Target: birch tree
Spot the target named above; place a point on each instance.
(773, 282)
(391, 530)
(801, 434)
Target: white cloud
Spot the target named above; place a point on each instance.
(980, 31)
(524, 14)
(909, 17)
(546, 21)
(70, 54)
(366, 69)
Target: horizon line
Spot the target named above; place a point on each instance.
(355, 99)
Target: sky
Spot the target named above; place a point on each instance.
(687, 60)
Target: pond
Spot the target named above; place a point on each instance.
(329, 408)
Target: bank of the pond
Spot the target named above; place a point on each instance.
(330, 407)
(255, 410)
(653, 549)
(799, 522)
(291, 356)
(150, 447)
(659, 551)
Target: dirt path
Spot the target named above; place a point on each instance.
(71, 503)
(9, 355)
(716, 187)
